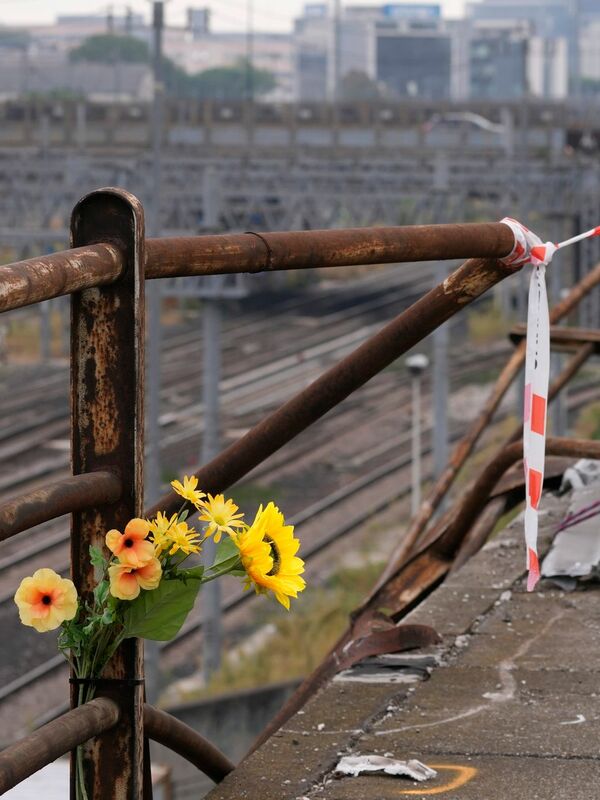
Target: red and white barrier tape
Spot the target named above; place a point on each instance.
(529, 249)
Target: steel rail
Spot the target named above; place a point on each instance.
(54, 739)
(466, 283)
(45, 277)
(75, 493)
(465, 447)
(260, 252)
(169, 731)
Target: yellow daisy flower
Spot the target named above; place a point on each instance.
(268, 554)
(183, 538)
(220, 515)
(188, 489)
(160, 528)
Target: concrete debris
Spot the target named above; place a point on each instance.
(357, 765)
(390, 668)
(582, 473)
(575, 552)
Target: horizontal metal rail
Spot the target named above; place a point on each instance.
(62, 497)
(469, 281)
(264, 252)
(55, 739)
(169, 731)
(568, 339)
(45, 277)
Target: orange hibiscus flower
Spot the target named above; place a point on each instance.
(126, 582)
(131, 547)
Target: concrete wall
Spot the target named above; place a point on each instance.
(231, 722)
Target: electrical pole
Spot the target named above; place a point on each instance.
(212, 324)
(334, 52)
(153, 287)
(249, 51)
(440, 389)
(153, 305)
(128, 21)
(110, 20)
(416, 365)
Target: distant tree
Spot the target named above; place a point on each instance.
(233, 82)
(220, 83)
(111, 49)
(590, 85)
(64, 94)
(357, 85)
(106, 48)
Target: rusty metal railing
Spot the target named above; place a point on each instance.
(105, 273)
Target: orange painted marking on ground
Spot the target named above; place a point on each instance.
(464, 775)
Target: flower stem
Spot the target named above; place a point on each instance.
(80, 789)
(219, 573)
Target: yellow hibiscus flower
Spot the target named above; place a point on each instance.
(46, 600)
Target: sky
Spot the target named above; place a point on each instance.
(274, 15)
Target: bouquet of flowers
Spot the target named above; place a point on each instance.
(143, 588)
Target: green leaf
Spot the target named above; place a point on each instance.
(108, 617)
(227, 554)
(97, 558)
(101, 592)
(195, 573)
(159, 614)
(183, 516)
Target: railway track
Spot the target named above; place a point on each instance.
(322, 524)
(33, 436)
(320, 479)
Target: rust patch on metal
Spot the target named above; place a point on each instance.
(97, 389)
(44, 277)
(63, 497)
(107, 408)
(55, 739)
(176, 735)
(248, 252)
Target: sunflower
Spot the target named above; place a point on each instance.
(268, 554)
(220, 515)
(188, 489)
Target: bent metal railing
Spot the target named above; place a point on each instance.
(105, 272)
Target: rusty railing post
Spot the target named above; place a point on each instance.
(107, 395)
